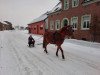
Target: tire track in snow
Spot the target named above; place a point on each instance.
(6, 62)
(7, 45)
(76, 59)
(18, 54)
(15, 53)
(89, 62)
(0, 52)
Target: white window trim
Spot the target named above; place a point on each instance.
(46, 24)
(77, 22)
(64, 5)
(63, 20)
(82, 22)
(56, 24)
(87, 3)
(75, 5)
(51, 23)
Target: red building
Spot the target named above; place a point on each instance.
(37, 25)
(83, 15)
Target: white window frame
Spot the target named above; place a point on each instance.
(82, 22)
(76, 4)
(66, 5)
(46, 24)
(87, 0)
(74, 22)
(57, 22)
(51, 25)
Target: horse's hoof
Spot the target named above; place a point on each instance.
(45, 51)
(63, 59)
(56, 55)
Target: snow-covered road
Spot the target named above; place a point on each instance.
(16, 58)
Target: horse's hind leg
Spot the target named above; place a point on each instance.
(62, 53)
(45, 48)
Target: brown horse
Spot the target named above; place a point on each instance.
(57, 38)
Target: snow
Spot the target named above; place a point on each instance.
(40, 18)
(16, 58)
(56, 8)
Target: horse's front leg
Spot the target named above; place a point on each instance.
(62, 52)
(57, 51)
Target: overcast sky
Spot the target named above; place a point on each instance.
(22, 12)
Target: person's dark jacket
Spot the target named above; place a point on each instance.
(31, 40)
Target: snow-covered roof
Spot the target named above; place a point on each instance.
(56, 8)
(4, 23)
(42, 17)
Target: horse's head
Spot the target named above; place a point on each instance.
(67, 30)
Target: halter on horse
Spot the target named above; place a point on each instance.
(57, 38)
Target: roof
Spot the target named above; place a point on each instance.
(3, 23)
(56, 8)
(42, 17)
(45, 15)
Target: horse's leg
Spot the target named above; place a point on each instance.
(57, 51)
(45, 45)
(45, 48)
(62, 52)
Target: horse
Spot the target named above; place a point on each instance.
(57, 38)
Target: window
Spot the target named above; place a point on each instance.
(85, 22)
(51, 25)
(74, 22)
(87, 0)
(75, 3)
(34, 27)
(41, 27)
(65, 21)
(57, 24)
(66, 4)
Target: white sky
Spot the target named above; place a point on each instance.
(22, 12)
